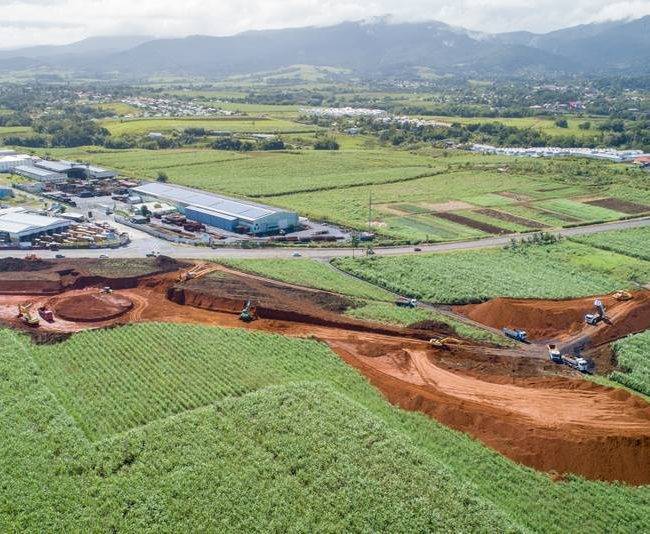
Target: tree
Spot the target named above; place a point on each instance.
(327, 143)
(146, 212)
(162, 178)
(561, 123)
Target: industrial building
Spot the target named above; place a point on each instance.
(10, 161)
(40, 175)
(18, 225)
(75, 170)
(221, 212)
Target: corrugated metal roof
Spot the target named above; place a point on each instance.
(207, 211)
(54, 166)
(17, 222)
(216, 203)
(35, 170)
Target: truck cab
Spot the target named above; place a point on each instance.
(554, 353)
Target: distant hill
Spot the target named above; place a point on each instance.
(377, 48)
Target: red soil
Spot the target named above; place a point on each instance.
(562, 320)
(92, 307)
(507, 398)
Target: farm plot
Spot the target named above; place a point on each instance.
(634, 242)
(585, 212)
(622, 206)
(633, 358)
(561, 270)
(234, 125)
(161, 374)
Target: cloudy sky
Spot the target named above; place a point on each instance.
(27, 22)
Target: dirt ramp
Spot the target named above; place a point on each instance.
(563, 319)
(92, 307)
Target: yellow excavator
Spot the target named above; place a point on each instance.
(445, 342)
(623, 295)
(25, 315)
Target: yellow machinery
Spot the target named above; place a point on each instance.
(248, 313)
(25, 315)
(195, 272)
(444, 342)
(623, 295)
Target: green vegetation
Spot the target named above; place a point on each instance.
(238, 125)
(559, 270)
(634, 242)
(309, 445)
(309, 273)
(390, 314)
(633, 356)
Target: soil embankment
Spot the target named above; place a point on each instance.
(92, 307)
(562, 320)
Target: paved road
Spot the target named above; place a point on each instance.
(143, 243)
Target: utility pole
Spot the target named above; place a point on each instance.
(370, 212)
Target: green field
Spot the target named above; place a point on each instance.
(280, 436)
(543, 124)
(633, 358)
(234, 125)
(311, 273)
(15, 130)
(560, 270)
(391, 314)
(634, 242)
(409, 189)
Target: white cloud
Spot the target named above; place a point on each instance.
(26, 22)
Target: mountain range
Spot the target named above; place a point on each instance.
(367, 48)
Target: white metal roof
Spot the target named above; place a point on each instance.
(54, 166)
(35, 170)
(17, 222)
(214, 203)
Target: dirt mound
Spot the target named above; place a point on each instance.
(92, 307)
(435, 326)
(563, 319)
(21, 265)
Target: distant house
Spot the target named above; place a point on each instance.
(643, 161)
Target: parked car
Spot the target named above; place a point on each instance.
(417, 249)
(59, 256)
(296, 254)
(103, 257)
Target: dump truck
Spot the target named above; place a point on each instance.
(406, 303)
(46, 314)
(600, 315)
(517, 335)
(248, 313)
(578, 363)
(554, 353)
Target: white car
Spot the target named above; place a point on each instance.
(296, 254)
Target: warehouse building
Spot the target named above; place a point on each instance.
(40, 175)
(221, 212)
(9, 162)
(17, 225)
(63, 167)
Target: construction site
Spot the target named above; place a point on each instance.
(529, 401)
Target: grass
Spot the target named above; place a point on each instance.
(561, 270)
(634, 242)
(633, 356)
(390, 314)
(235, 125)
(309, 447)
(15, 130)
(311, 273)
